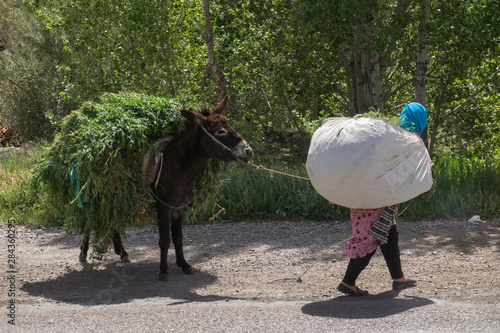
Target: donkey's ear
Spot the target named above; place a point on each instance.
(222, 105)
(193, 116)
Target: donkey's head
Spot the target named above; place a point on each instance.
(219, 140)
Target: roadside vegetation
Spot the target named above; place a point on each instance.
(460, 191)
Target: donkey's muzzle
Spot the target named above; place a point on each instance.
(243, 151)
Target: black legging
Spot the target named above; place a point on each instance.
(391, 256)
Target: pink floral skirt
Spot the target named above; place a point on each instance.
(362, 243)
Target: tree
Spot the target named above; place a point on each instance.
(367, 38)
(29, 84)
(290, 62)
(275, 68)
(464, 39)
(3, 42)
(456, 47)
(422, 61)
(212, 60)
(155, 47)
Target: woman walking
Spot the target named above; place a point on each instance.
(377, 227)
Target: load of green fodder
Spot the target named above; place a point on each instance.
(103, 145)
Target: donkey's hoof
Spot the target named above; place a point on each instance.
(82, 258)
(125, 259)
(163, 277)
(189, 270)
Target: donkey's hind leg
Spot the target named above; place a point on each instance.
(117, 243)
(84, 248)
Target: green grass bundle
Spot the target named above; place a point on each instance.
(105, 143)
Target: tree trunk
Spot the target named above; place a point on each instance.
(438, 105)
(366, 78)
(422, 61)
(3, 42)
(377, 93)
(209, 39)
(366, 83)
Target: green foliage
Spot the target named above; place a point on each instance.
(279, 73)
(389, 118)
(16, 198)
(207, 189)
(464, 95)
(29, 84)
(383, 30)
(106, 143)
(153, 47)
(460, 190)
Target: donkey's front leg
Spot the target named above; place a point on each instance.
(164, 242)
(84, 247)
(177, 217)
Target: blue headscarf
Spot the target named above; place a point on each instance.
(413, 118)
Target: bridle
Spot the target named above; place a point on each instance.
(232, 150)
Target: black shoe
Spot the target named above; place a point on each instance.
(350, 292)
(402, 285)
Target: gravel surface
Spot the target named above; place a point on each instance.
(246, 281)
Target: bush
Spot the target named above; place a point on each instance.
(28, 67)
(16, 198)
(461, 189)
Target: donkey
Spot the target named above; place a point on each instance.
(200, 137)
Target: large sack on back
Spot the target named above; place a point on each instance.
(367, 163)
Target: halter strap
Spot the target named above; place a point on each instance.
(217, 141)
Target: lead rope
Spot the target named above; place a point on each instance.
(261, 167)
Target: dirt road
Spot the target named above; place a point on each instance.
(246, 281)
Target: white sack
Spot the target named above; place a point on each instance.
(367, 163)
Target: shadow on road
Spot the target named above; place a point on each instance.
(122, 283)
(367, 307)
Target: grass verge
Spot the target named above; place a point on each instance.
(461, 190)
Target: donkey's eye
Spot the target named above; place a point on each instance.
(221, 131)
